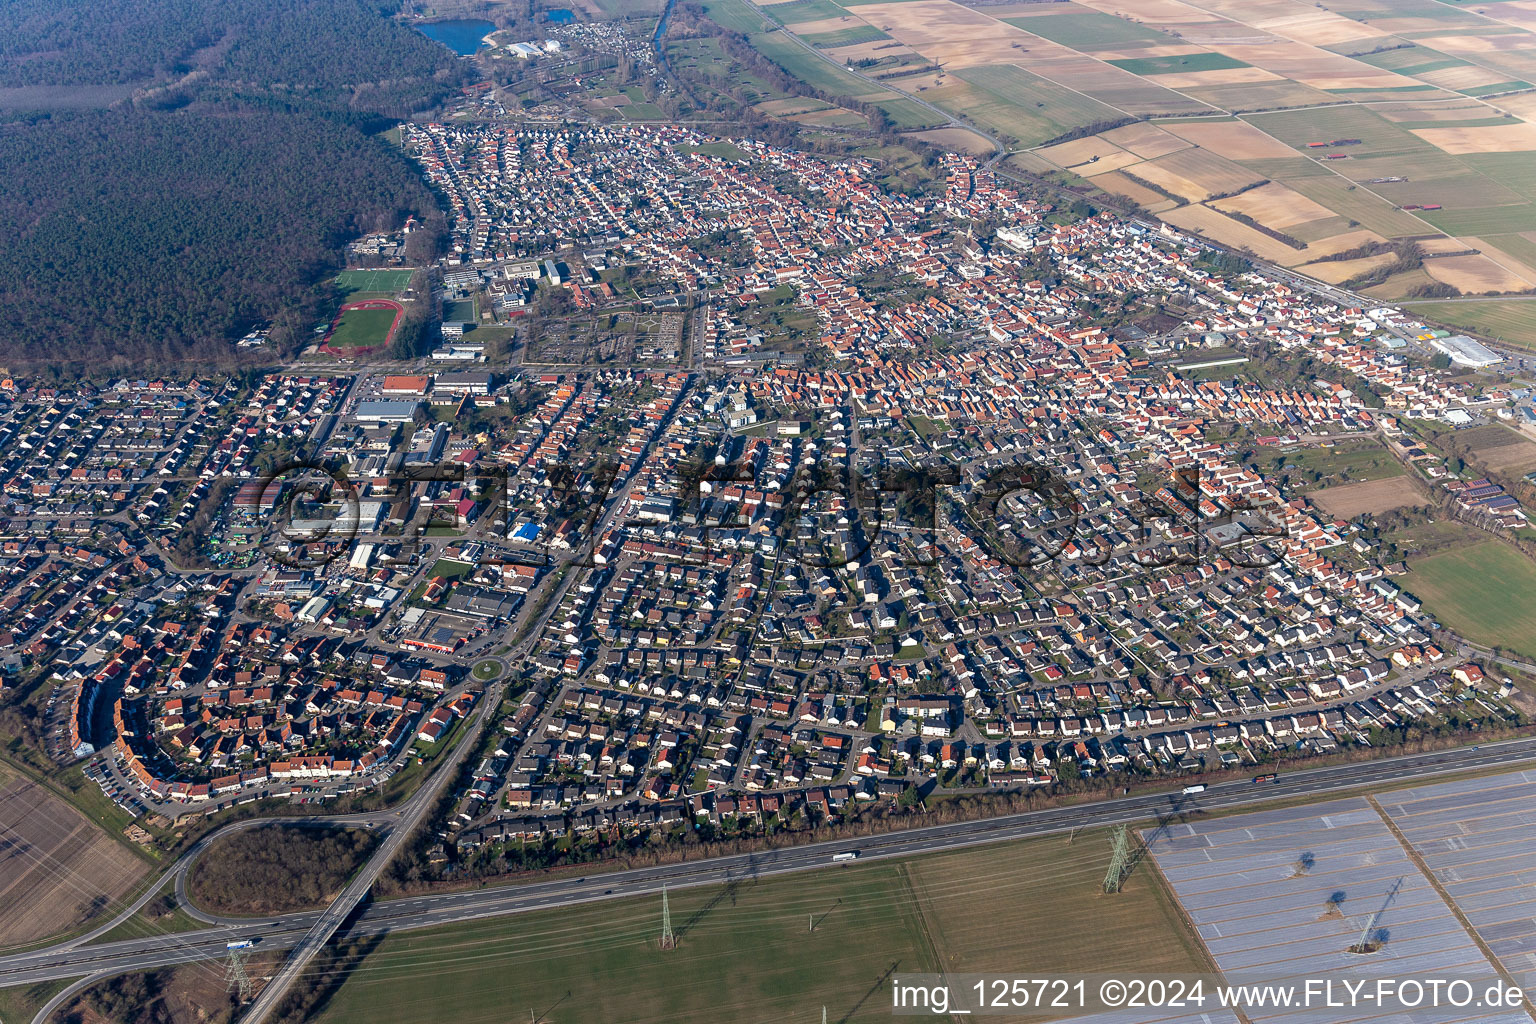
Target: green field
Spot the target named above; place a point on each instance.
(1411, 60)
(1377, 135)
(1484, 220)
(391, 282)
(631, 8)
(450, 568)
(362, 328)
(813, 70)
(845, 36)
(1007, 99)
(820, 73)
(1209, 61)
(1495, 87)
(1355, 203)
(643, 112)
(747, 954)
(734, 15)
(804, 10)
(1087, 30)
(1486, 592)
(459, 309)
(1344, 463)
(1509, 320)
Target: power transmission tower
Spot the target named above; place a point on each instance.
(1120, 861)
(1365, 933)
(235, 974)
(668, 940)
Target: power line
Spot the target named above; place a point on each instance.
(1119, 865)
(235, 974)
(668, 940)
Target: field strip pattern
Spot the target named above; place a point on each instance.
(1259, 889)
(1478, 836)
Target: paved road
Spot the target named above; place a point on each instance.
(406, 820)
(291, 930)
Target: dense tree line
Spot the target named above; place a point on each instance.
(329, 46)
(218, 199)
(277, 869)
(150, 235)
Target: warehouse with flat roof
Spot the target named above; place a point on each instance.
(1466, 352)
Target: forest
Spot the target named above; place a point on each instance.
(134, 235)
(349, 51)
(277, 869)
(219, 195)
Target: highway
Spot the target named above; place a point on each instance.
(408, 817)
(295, 930)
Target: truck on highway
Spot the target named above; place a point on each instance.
(850, 855)
(241, 944)
(1271, 777)
(1200, 788)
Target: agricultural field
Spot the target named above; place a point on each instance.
(788, 945)
(819, 73)
(1476, 838)
(1390, 120)
(1510, 321)
(734, 15)
(1484, 591)
(1088, 30)
(844, 36)
(1434, 876)
(1179, 62)
(56, 868)
(1345, 501)
(1500, 448)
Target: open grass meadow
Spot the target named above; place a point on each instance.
(747, 954)
(1485, 591)
(1343, 464)
(796, 11)
(744, 954)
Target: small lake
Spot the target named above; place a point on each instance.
(462, 36)
(560, 17)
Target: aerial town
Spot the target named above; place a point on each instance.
(766, 511)
(296, 587)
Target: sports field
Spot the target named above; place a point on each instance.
(390, 282)
(363, 326)
(781, 948)
(1485, 591)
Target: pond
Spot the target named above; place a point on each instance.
(560, 16)
(463, 36)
